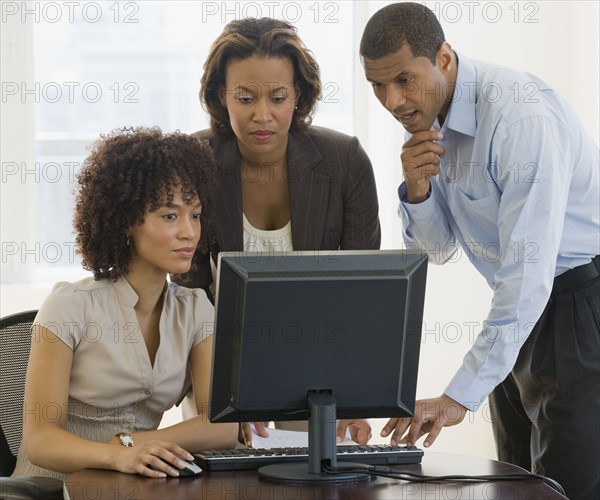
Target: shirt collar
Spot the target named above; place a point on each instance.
(127, 295)
(461, 115)
(125, 292)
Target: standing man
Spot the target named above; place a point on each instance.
(513, 178)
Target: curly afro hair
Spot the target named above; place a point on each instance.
(128, 172)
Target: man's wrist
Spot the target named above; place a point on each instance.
(414, 199)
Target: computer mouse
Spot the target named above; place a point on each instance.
(189, 469)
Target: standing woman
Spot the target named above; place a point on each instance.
(283, 184)
(111, 353)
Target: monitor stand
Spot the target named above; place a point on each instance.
(321, 446)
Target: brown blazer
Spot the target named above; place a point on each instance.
(333, 197)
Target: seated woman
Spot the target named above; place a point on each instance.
(284, 184)
(111, 353)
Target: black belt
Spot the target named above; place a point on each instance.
(577, 275)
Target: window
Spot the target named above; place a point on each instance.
(105, 65)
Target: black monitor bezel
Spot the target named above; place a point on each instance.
(222, 407)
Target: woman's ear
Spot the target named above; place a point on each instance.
(222, 96)
(298, 94)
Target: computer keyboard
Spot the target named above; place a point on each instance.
(250, 458)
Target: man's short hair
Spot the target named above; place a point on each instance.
(394, 25)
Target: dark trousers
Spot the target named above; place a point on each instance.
(546, 414)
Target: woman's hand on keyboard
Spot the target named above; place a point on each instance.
(245, 432)
(360, 431)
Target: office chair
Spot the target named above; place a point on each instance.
(15, 342)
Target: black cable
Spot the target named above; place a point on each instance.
(382, 471)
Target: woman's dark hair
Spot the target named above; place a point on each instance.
(128, 172)
(402, 23)
(265, 38)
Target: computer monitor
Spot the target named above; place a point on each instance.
(318, 336)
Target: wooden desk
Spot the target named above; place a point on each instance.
(245, 485)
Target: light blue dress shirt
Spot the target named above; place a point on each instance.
(519, 192)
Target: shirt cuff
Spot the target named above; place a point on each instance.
(468, 390)
(418, 212)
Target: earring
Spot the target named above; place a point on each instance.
(127, 241)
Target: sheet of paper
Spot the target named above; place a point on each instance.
(279, 438)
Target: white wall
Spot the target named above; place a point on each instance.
(556, 40)
(17, 145)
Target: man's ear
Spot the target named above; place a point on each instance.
(444, 57)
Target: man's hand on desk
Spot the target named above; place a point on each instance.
(431, 416)
(360, 431)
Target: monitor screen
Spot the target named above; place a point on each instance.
(342, 323)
